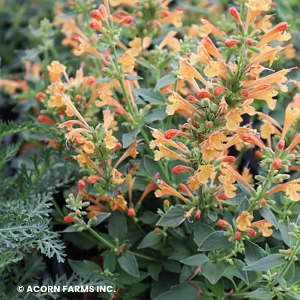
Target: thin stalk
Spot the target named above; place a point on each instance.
(100, 238)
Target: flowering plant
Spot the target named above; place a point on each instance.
(162, 154)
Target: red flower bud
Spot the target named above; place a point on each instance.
(156, 230)
(127, 20)
(198, 214)
(45, 119)
(164, 13)
(215, 80)
(96, 15)
(249, 42)
(251, 232)
(219, 90)
(119, 146)
(139, 14)
(178, 169)
(204, 94)
(90, 80)
(131, 212)
(209, 124)
(81, 186)
(230, 159)
(233, 11)
(40, 96)
(94, 24)
(280, 145)
(223, 223)
(280, 27)
(192, 99)
(123, 100)
(118, 111)
(67, 157)
(184, 188)
(69, 219)
(238, 236)
(171, 133)
(263, 202)
(223, 197)
(245, 93)
(231, 43)
(93, 178)
(276, 163)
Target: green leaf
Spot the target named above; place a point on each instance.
(129, 138)
(212, 215)
(244, 189)
(237, 270)
(195, 9)
(150, 239)
(289, 275)
(32, 54)
(154, 270)
(267, 263)
(183, 291)
(214, 241)
(164, 81)
(218, 289)
(110, 262)
(253, 252)
(151, 167)
(195, 260)
(155, 114)
(117, 227)
(100, 218)
(131, 77)
(201, 232)
(261, 293)
(129, 264)
(148, 217)
(173, 217)
(268, 215)
(151, 96)
(172, 266)
(103, 80)
(82, 268)
(213, 271)
(164, 63)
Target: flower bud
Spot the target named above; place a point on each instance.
(40, 96)
(69, 219)
(81, 186)
(276, 163)
(77, 212)
(127, 20)
(251, 232)
(234, 12)
(230, 159)
(249, 42)
(263, 202)
(180, 168)
(45, 119)
(215, 80)
(245, 93)
(223, 223)
(171, 133)
(131, 212)
(118, 111)
(204, 94)
(280, 27)
(280, 145)
(198, 214)
(192, 99)
(93, 178)
(231, 43)
(130, 118)
(139, 14)
(238, 236)
(209, 124)
(118, 145)
(218, 90)
(166, 205)
(123, 100)
(223, 197)
(94, 24)
(156, 230)
(96, 15)
(184, 188)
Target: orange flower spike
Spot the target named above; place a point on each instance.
(166, 152)
(127, 61)
(263, 226)
(188, 72)
(208, 28)
(131, 151)
(206, 172)
(86, 47)
(243, 221)
(165, 189)
(253, 139)
(291, 114)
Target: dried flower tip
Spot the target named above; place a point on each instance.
(280, 145)
(263, 202)
(93, 178)
(204, 94)
(230, 159)
(238, 236)
(218, 90)
(131, 212)
(223, 197)
(156, 230)
(45, 119)
(198, 214)
(251, 232)
(245, 93)
(180, 168)
(184, 189)
(81, 186)
(249, 42)
(234, 12)
(231, 43)
(69, 219)
(40, 96)
(276, 163)
(127, 20)
(223, 223)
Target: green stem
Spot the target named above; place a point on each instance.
(57, 208)
(145, 257)
(100, 238)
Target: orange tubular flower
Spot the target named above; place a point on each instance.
(263, 226)
(45, 119)
(208, 28)
(109, 100)
(189, 73)
(295, 142)
(55, 69)
(206, 172)
(117, 176)
(244, 221)
(151, 186)
(291, 114)
(166, 152)
(127, 61)
(171, 133)
(254, 8)
(118, 204)
(253, 139)
(169, 17)
(267, 54)
(165, 189)
(131, 151)
(86, 47)
(290, 188)
(208, 151)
